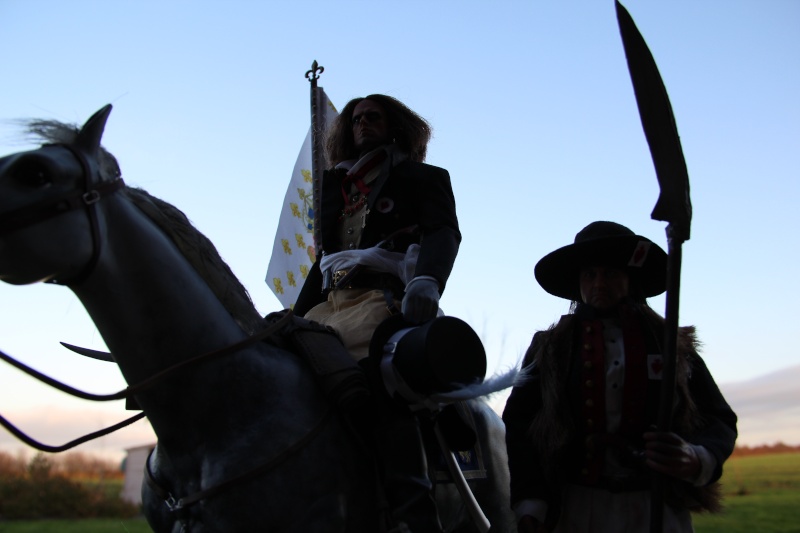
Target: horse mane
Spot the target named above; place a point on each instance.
(53, 131)
(195, 247)
(202, 255)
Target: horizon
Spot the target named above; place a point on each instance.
(53, 423)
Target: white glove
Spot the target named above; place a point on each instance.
(421, 302)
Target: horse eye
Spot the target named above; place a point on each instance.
(32, 174)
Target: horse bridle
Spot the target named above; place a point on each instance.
(78, 199)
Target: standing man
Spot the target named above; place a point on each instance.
(579, 429)
(389, 237)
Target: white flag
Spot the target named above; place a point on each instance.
(293, 251)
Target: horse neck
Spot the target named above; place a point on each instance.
(151, 307)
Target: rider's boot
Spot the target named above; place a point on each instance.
(343, 381)
(406, 482)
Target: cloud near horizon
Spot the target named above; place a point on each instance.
(768, 407)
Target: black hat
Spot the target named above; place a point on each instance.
(438, 356)
(604, 244)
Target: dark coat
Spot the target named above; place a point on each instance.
(419, 194)
(547, 440)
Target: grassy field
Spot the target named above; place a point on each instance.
(762, 495)
(76, 526)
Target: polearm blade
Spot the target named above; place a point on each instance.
(673, 206)
(317, 162)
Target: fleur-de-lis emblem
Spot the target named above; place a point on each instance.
(278, 285)
(290, 278)
(286, 248)
(316, 70)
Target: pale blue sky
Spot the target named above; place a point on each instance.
(533, 115)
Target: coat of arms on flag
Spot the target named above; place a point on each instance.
(293, 251)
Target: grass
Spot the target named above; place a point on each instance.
(110, 525)
(762, 493)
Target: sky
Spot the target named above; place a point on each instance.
(534, 117)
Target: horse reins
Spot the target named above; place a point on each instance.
(171, 502)
(33, 443)
(132, 389)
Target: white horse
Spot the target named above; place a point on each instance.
(246, 441)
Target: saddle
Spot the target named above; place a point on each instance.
(350, 387)
(343, 382)
(374, 416)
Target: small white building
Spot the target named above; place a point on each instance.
(134, 473)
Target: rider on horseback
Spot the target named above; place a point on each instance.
(389, 236)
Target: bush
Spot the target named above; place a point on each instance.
(41, 491)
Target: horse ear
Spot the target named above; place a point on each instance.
(91, 132)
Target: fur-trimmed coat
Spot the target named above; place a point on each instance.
(550, 434)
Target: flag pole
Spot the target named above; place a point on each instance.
(317, 161)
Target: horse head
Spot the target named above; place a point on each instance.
(47, 203)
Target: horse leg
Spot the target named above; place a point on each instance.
(405, 472)
(491, 491)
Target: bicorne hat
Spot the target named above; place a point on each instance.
(604, 244)
(441, 355)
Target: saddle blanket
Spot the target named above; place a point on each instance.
(471, 461)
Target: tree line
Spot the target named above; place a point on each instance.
(74, 485)
(764, 449)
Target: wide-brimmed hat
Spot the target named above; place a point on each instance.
(441, 355)
(604, 244)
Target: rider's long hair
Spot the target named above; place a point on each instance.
(410, 132)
